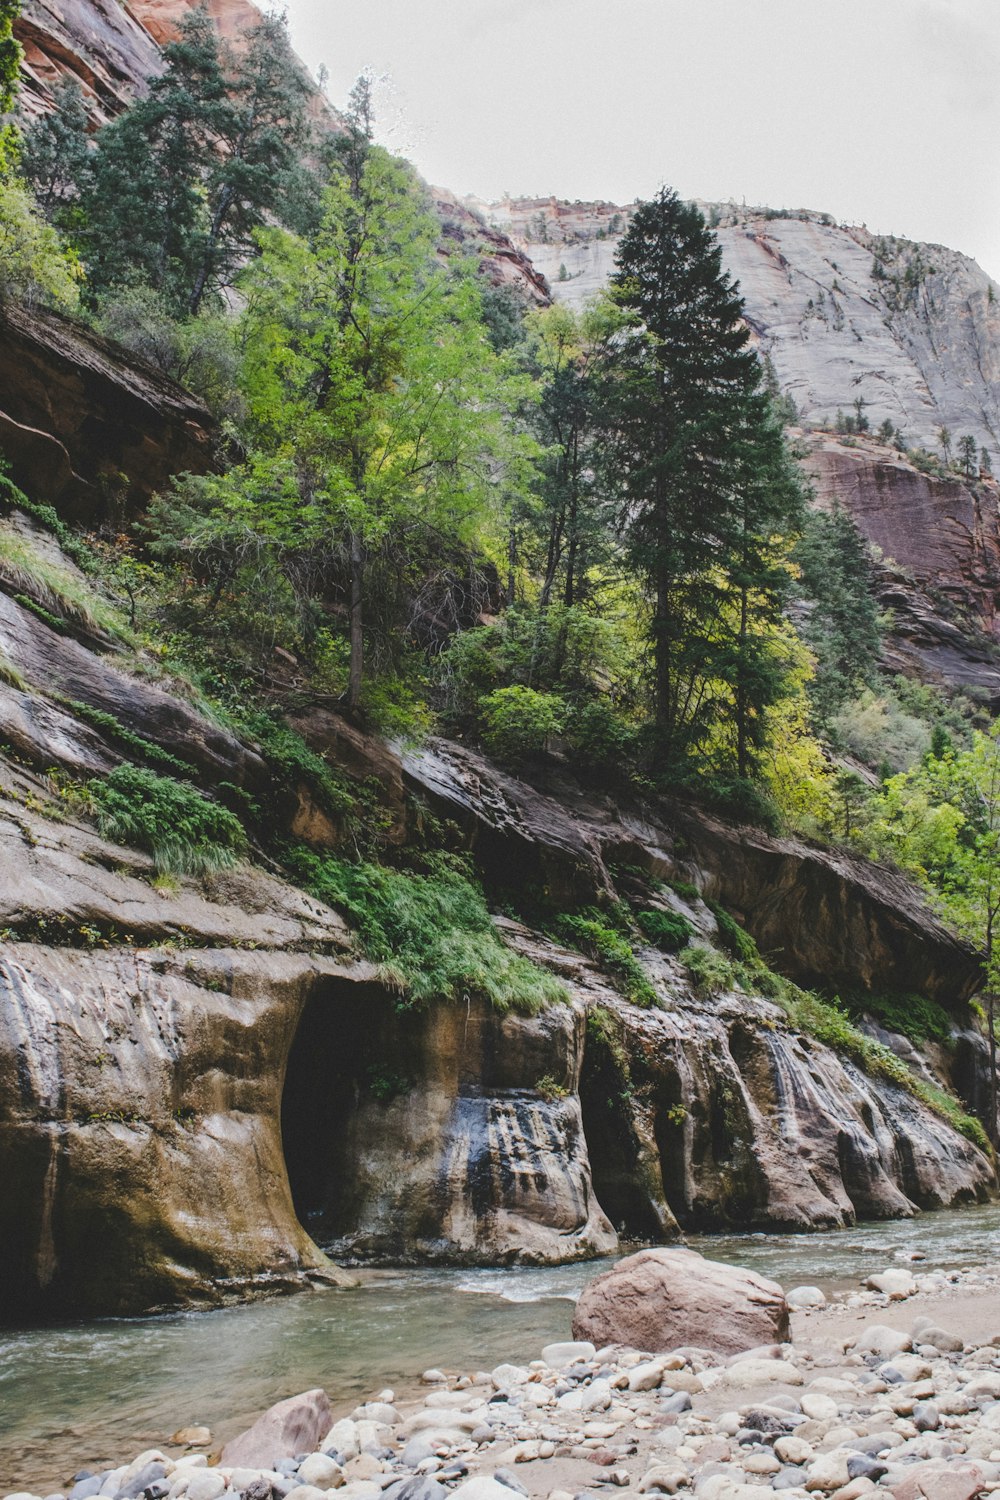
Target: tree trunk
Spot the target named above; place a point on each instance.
(357, 635)
(511, 563)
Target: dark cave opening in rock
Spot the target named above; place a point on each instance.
(337, 1059)
(615, 1154)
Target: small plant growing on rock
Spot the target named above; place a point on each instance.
(666, 930)
(183, 831)
(612, 952)
(709, 971)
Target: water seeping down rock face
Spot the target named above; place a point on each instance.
(204, 1094)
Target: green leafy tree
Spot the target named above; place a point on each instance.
(10, 71)
(701, 476)
(941, 821)
(377, 417)
(985, 462)
(34, 264)
(573, 521)
(944, 443)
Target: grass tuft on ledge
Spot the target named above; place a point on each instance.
(431, 932)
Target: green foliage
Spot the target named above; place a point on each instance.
(34, 265)
(685, 890)
(606, 1030)
(56, 156)
(10, 674)
(12, 498)
(386, 1086)
(10, 68)
(431, 933)
(550, 1088)
(914, 1016)
(843, 625)
(667, 930)
(183, 831)
(292, 761)
(696, 456)
(735, 939)
(708, 969)
(828, 1024)
(518, 721)
(54, 593)
(612, 951)
(200, 352)
(180, 182)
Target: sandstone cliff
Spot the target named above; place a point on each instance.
(913, 330)
(85, 424)
(205, 1093)
(110, 48)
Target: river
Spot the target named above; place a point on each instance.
(85, 1393)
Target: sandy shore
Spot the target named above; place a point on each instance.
(877, 1393)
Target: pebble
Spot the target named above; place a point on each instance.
(911, 1416)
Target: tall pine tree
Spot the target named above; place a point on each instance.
(707, 492)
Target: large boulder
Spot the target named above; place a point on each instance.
(662, 1299)
(295, 1425)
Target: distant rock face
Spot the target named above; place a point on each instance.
(912, 331)
(938, 545)
(100, 43)
(663, 1299)
(503, 262)
(86, 425)
(112, 49)
(824, 305)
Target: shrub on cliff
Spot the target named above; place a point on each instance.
(431, 932)
(34, 265)
(183, 831)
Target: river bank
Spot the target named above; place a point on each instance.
(643, 1425)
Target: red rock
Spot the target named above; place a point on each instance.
(77, 410)
(663, 1299)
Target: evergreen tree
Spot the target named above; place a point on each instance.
(56, 155)
(573, 521)
(842, 626)
(701, 475)
(181, 182)
(257, 131)
(967, 455)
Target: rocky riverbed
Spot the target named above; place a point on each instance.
(893, 1389)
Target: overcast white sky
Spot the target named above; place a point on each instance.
(885, 112)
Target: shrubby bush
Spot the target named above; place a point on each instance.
(35, 266)
(182, 829)
(519, 721)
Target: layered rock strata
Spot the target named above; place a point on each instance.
(86, 425)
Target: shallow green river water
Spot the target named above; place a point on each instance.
(74, 1395)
